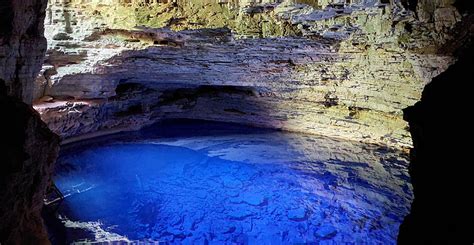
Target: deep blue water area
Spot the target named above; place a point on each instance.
(198, 182)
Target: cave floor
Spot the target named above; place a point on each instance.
(198, 181)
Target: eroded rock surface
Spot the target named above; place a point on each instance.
(22, 45)
(345, 70)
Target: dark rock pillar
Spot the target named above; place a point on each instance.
(28, 149)
(22, 45)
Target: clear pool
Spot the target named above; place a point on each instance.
(197, 182)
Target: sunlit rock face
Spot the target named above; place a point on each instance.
(339, 69)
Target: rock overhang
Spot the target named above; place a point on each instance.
(343, 70)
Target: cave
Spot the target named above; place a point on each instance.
(236, 122)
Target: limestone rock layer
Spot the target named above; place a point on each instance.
(344, 70)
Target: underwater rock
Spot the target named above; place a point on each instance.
(283, 198)
(326, 232)
(299, 214)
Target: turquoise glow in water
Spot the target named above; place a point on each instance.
(196, 182)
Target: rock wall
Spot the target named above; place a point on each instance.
(22, 46)
(28, 149)
(345, 71)
(440, 168)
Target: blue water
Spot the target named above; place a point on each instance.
(197, 182)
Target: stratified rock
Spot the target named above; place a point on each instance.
(344, 71)
(153, 36)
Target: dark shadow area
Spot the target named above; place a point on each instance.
(441, 166)
(6, 18)
(440, 169)
(27, 150)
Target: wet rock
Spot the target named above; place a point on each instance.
(326, 232)
(254, 199)
(240, 214)
(284, 193)
(232, 183)
(229, 230)
(299, 214)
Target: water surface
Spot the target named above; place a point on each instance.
(199, 182)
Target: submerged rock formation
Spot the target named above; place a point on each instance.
(345, 71)
(230, 184)
(338, 68)
(28, 149)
